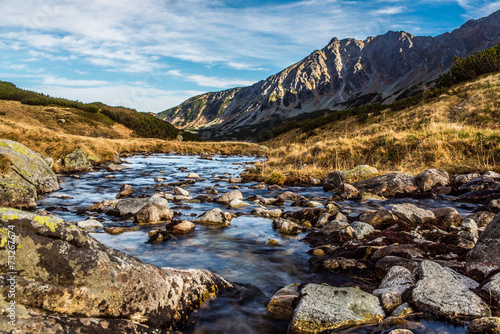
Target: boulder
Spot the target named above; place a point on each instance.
(153, 213)
(347, 191)
(484, 258)
(285, 226)
(482, 218)
(290, 196)
(260, 185)
(377, 218)
(492, 289)
(438, 292)
(24, 175)
(397, 281)
(62, 271)
(479, 196)
(193, 176)
(397, 275)
(236, 203)
(390, 185)
(130, 206)
(430, 178)
(489, 325)
(215, 217)
(411, 214)
(125, 191)
(228, 197)
(183, 227)
(447, 217)
(333, 227)
(89, 224)
(406, 251)
(281, 305)
(362, 229)
(335, 179)
(181, 192)
(323, 307)
(76, 161)
(310, 214)
(266, 213)
(464, 178)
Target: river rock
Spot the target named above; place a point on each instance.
(397, 275)
(404, 250)
(411, 214)
(438, 292)
(430, 178)
(335, 179)
(362, 229)
(447, 216)
(260, 185)
(489, 325)
(76, 161)
(64, 272)
(193, 176)
(236, 203)
(323, 307)
(383, 265)
(266, 213)
(290, 196)
(89, 224)
(285, 226)
(153, 213)
(281, 305)
(130, 206)
(484, 258)
(116, 167)
(401, 331)
(215, 217)
(464, 178)
(333, 227)
(310, 214)
(479, 196)
(402, 310)
(390, 185)
(125, 191)
(482, 218)
(228, 197)
(181, 192)
(25, 176)
(469, 224)
(347, 191)
(468, 282)
(183, 227)
(377, 218)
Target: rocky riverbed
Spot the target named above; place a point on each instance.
(389, 252)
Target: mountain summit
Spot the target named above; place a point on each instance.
(345, 73)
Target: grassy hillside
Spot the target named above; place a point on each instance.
(459, 130)
(55, 131)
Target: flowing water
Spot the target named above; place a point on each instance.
(238, 253)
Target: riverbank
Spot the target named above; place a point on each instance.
(457, 131)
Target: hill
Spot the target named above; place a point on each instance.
(458, 130)
(346, 73)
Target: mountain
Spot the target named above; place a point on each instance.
(343, 74)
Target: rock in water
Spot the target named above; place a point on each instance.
(228, 197)
(76, 161)
(153, 213)
(125, 191)
(324, 307)
(130, 206)
(335, 179)
(215, 217)
(484, 258)
(285, 226)
(412, 214)
(282, 303)
(390, 185)
(438, 292)
(63, 270)
(24, 176)
(484, 326)
(431, 178)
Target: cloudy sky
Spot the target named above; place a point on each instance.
(153, 54)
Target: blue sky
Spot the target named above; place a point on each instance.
(153, 54)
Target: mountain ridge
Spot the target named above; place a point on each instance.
(378, 69)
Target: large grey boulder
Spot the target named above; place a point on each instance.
(432, 178)
(484, 258)
(62, 271)
(24, 175)
(130, 206)
(335, 179)
(412, 214)
(324, 307)
(76, 161)
(389, 185)
(438, 292)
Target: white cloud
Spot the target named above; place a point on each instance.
(389, 10)
(51, 80)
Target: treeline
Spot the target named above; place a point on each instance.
(471, 67)
(144, 125)
(9, 91)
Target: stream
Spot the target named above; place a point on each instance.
(239, 253)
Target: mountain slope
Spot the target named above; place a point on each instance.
(345, 73)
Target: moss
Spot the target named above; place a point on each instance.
(3, 242)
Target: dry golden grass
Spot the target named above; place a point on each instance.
(458, 131)
(40, 129)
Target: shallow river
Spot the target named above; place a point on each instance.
(238, 253)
